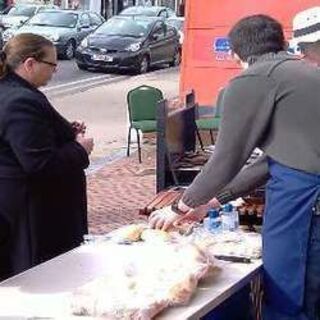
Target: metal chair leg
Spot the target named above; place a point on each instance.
(139, 146)
(129, 142)
(211, 135)
(199, 138)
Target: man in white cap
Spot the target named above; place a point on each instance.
(306, 34)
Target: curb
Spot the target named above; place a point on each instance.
(81, 85)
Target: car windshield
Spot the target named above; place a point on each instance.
(22, 11)
(54, 19)
(6, 10)
(125, 27)
(178, 24)
(143, 11)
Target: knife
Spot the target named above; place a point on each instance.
(233, 258)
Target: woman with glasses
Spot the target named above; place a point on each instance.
(43, 209)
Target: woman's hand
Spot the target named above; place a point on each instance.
(78, 127)
(86, 143)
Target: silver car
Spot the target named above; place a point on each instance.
(65, 28)
(20, 13)
(149, 11)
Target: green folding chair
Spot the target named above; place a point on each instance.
(212, 123)
(142, 105)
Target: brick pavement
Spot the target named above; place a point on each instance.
(118, 190)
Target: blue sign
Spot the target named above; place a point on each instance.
(221, 45)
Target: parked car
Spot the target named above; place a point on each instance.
(18, 14)
(6, 10)
(130, 44)
(65, 28)
(153, 11)
(2, 14)
(178, 23)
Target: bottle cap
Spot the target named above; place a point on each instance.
(213, 213)
(228, 207)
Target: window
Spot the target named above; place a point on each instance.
(54, 19)
(95, 20)
(170, 12)
(85, 20)
(158, 30)
(22, 10)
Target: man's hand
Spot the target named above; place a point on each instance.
(199, 213)
(163, 219)
(79, 127)
(193, 215)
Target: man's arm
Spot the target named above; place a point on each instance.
(247, 109)
(253, 176)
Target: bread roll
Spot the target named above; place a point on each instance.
(154, 235)
(131, 232)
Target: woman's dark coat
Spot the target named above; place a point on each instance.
(43, 209)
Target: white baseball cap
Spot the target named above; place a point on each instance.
(306, 27)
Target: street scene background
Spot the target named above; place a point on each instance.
(100, 101)
(118, 186)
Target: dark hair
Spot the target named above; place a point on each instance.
(21, 47)
(256, 35)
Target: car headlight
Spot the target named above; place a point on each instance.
(84, 43)
(134, 47)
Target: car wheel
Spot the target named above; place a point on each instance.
(143, 65)
(69, 50)
(176, 59)
(82, 66)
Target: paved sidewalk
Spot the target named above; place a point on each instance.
(118, 190)
(104, 108)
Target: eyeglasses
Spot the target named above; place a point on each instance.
(48, 63)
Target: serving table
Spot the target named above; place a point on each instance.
(42, 292)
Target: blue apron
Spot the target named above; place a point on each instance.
(290, 197)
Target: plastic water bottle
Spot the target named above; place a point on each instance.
(213, 222)
(226, 217)
(230, 218)
(235, 213)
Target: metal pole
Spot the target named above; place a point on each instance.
(115, 7)
(176, 6)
